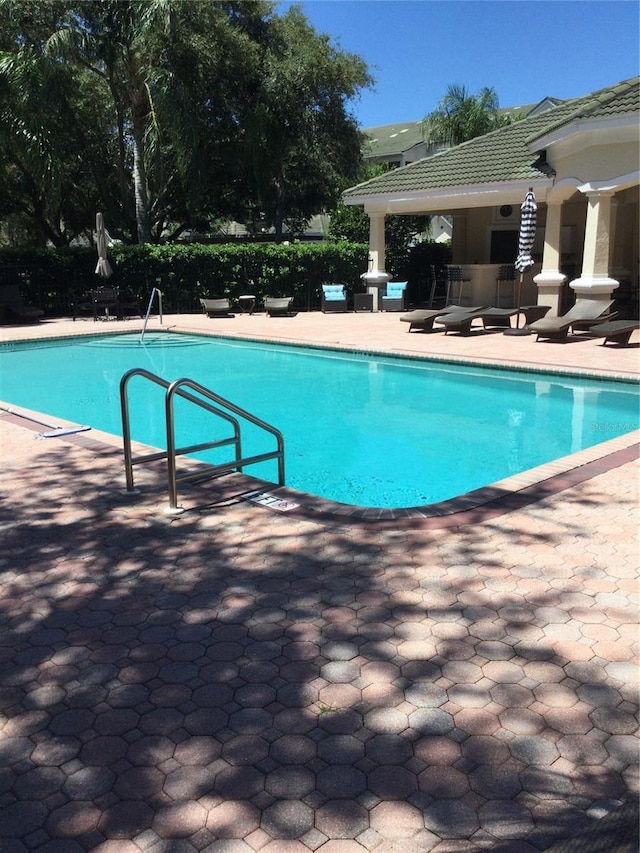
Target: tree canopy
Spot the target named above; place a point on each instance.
(169, 115)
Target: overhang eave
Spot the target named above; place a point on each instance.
(618, 128)
(451, 198)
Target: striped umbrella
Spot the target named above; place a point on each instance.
(524, 261)
(528, 209)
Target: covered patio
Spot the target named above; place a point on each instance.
(580, 158)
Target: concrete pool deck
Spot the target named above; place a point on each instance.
(239, 679)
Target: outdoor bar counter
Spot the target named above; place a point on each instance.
(480, 286)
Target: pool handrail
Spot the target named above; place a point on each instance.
(146, 316)
(177, 388)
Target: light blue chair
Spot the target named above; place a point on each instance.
(334, 298)
(393, 299)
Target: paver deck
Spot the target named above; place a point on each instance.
(237, 679)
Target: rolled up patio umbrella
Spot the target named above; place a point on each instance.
(524, 261)
(103, 268)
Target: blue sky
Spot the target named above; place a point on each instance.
(524, 49)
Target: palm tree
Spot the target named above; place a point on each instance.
(114, 41)
(173, 71)
(461, 116)
(42, 183)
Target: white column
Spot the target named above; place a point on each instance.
(376, 277)
(550, 280)
(376, 241)
(595, 281)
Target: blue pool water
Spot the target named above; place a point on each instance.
(360, 429)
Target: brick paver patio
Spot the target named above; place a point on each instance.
(237, 679)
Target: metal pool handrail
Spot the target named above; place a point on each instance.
(146, 316)
(216, 406)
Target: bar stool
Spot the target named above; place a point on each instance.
(436, 279)
(455, 282)
(506, 276)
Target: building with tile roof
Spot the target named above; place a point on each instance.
(394, 144)
(581, 158)
(403, 142)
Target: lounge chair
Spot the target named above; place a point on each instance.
(334, 298)
(422, 319)
(393, 299)
(557, 328)
(14, 307)
(461, 320)
(615, 331)
(216, 307)
(278, 306)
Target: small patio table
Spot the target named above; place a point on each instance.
(247, 303)
(534, 312)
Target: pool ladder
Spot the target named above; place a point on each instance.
(210, 402)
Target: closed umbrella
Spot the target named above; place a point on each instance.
(524, 261)
(103, 268)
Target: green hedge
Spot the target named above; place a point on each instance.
(54, 278)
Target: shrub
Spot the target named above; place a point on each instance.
(55, 278)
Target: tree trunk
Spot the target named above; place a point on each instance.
(140, 183)
(140, 108)
(280, 200)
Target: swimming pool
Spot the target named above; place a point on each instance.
(359, 429)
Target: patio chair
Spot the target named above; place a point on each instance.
(216, 307)
(615, 331)
(334, 298)
(422, 319)
(460, 321)
(15, 308)
(278, 306)
(83, 303)
(103, 300)
(557, 328)
(393, 299)
(129, 306)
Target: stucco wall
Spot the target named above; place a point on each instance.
(598, 163)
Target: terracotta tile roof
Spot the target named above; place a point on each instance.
(505, 155)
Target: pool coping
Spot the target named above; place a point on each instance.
(499, 497)
(396, 352)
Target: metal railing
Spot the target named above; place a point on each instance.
(213, 403)
(155, 291)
